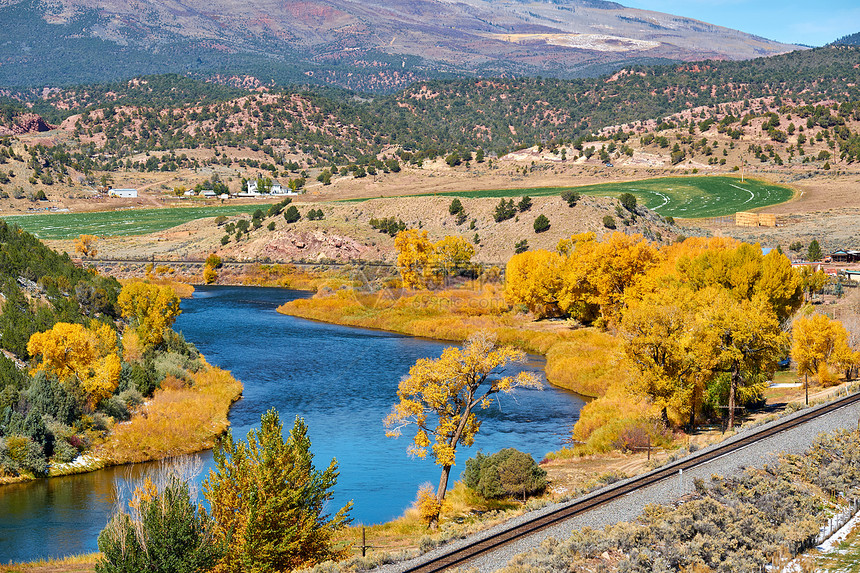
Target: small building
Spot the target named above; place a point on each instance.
(843, 256)
(252, 187)
(208, 193)
(190, 193)
(224, 196)
(124, 193)
(277, 189)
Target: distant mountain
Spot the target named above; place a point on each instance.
(850, 40)
(376, 45)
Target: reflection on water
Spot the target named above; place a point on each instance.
(342, 381)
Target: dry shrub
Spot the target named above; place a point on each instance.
(602, 421)
(289, 276)
(637, 436)
(178, 420)
(429, 508)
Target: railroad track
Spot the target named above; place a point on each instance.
(477, 548)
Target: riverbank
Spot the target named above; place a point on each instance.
(179, 419)
(588, 361)
(584, 360)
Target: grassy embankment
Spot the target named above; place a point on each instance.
(179, 419)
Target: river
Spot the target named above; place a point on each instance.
(341, 380)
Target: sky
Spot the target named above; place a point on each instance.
(809, 22)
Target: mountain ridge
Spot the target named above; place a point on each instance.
(374, 45)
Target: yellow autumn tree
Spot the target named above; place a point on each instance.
(151, 308)
(741, 339)
(415, 253)
(597, 273)
(85, 245)
(745, 273)
(452, 254)
(533, 279)
(442, 397)
(819, 343)
(659, 339)
(79, 357)
(813, 281)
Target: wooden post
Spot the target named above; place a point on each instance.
(649, 443)
(363, 543)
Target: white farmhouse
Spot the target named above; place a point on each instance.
(124, 193)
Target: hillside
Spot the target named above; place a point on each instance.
(849, 40)
(346, 231)
(373, 45)
(119, 122)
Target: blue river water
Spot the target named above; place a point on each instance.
(341, 380)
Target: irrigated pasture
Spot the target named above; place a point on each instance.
(53, 226)
(687, 197)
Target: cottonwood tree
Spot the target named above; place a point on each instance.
(533, 279)
(819, 343)
(269, 501)
(81, 358)
(414, 254)
(442, 398)
(423, 263)
(85, 245)
(740, 338)
(151, 308)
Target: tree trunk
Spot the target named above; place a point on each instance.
(443, 483)
(732, 390)
(692, 422)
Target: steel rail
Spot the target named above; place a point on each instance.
(487, 544)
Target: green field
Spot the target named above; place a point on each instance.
(119, 223)
(687, 197)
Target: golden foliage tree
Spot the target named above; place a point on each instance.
(269, 501)
(659, 340)
(818, 343)
(151, 308)
(79, 357)
(414, 257)
(712, 308)
(440, 397)
(597, 273)
(210, 270)
(451, 254)
(533, 279)
(85, 245)
(740, 338)
(423, 263)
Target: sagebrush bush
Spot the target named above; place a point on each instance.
(506, 473)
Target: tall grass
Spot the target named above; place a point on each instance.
(180, 419)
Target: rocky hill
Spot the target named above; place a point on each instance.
(373, 45)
